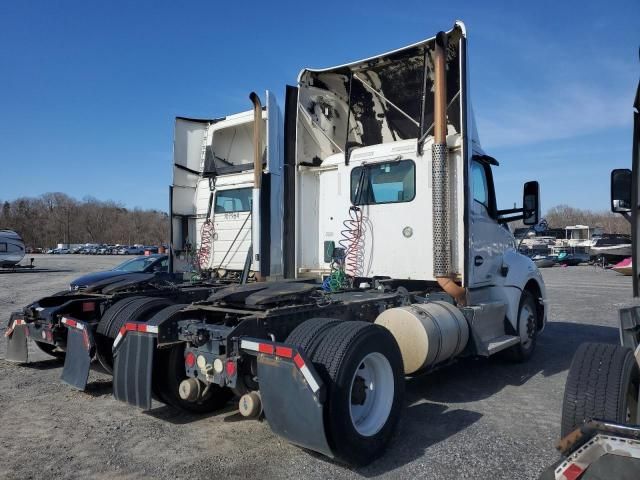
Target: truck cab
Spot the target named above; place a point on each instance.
(398, 259)
(366, 140)
(213, 212)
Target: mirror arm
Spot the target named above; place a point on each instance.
(626, 215)
(502, 220)
(510, 211)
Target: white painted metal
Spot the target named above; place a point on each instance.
(488, 240)
(323, 202)
(376, 373)
(325, 198)
(229, 139)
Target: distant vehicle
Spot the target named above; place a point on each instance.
(58, 251)
(127, 250)
(157, 264)
(11, 248)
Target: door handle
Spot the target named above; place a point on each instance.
(478, 260)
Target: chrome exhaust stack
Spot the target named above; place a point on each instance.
(440, 177)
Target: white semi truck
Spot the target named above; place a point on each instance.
(397, 259)
(219, 189)
(224, 173)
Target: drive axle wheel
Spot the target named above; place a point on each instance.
(170, 372)
(361, 366)
(131, 309)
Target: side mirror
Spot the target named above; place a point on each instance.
(531, 203)
(621, 190)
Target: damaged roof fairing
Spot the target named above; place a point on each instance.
(377, 100)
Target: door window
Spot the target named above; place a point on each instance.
(383, 183)
(479, 184)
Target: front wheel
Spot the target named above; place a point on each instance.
(362, 368)
(527, 329)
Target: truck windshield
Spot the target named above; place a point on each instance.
(383, 183)
(233, 200)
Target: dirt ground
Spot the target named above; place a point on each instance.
(476, 419)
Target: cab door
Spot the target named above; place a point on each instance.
(488, 239)
(232, 228)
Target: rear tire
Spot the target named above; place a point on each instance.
(168, 379)
(361, 366)
(132, 309)
(308, 334)
(602, 383)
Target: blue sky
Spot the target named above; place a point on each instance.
(88, 89)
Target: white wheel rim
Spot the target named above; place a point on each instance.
(375, 372)
(525, 320)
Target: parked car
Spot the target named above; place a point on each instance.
(130, 250)
(155, 264)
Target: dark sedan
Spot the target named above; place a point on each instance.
(149, 264)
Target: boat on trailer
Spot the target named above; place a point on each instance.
(11, 248)
(612, 248)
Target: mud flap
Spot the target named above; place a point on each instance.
(17, 334)
(79, 352)
(292, 409)
(132, 369)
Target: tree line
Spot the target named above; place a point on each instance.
(562, 215)
(54, 218)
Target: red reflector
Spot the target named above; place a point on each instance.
(71, 323)
(298, 361)
(284, 352)
(231, 368)
(88, 306)
(573, 472)
(190, 360)
(265, 348)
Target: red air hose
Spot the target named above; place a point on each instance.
(206, 240)
(353, 242)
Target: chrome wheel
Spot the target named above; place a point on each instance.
(527, 325)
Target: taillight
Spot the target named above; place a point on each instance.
(231, 368)
(88, 306)
(190, 360)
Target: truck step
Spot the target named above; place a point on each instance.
(500, 343)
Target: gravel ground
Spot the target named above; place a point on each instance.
(477, 419)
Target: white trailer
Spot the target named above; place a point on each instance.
(401, 264)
